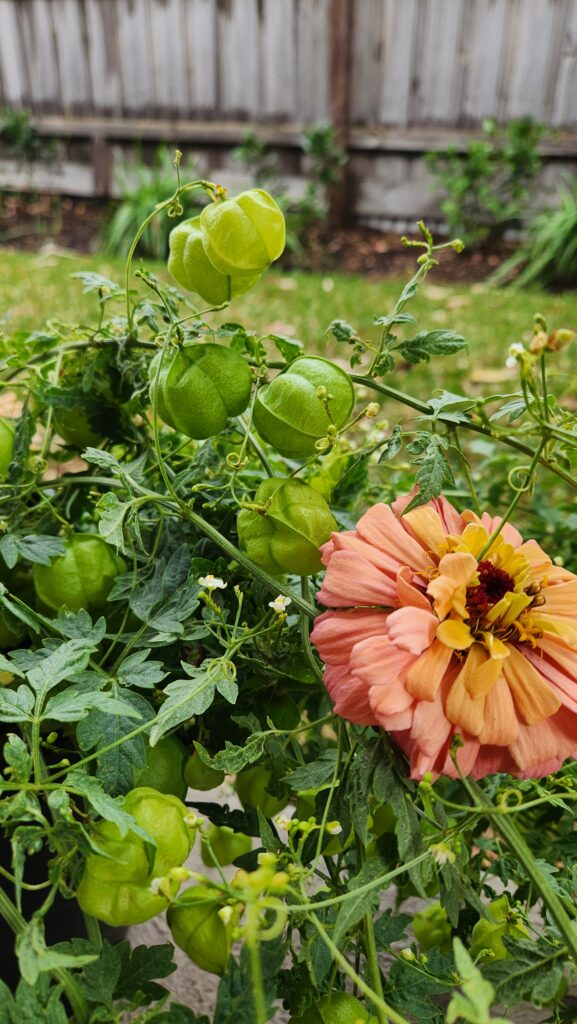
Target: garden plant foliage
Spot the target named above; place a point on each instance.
(155, 632)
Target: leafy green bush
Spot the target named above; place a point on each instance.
(162, 592)
(548, 257)
(487, 186)
(24, 140)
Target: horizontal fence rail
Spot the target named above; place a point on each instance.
(412, 62)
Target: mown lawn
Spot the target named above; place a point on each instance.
(35, 289)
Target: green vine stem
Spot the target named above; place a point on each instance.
(468, 424)
(17, 923)
(508, 830)
(208, 186)
(387, 1013)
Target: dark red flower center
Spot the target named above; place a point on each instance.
(493, 584)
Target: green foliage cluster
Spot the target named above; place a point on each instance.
(197, 642)
(548, 256)
(488, 186)
(23, 140)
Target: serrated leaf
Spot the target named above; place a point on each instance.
(94, 282)
(140, 969)
(136, 670)
(392, 445)
(289, 348)
(352, 911)
(111, 513)
(313, 774)
(116, 767)
(71, 706)
(104, 805)
(430, 343)
(32, 548)
(434, 470)
(16, 705)
(185, 698)
(64, 662)
(234, 758)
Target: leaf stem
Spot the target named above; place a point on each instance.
(516, 842)
(387, 1013)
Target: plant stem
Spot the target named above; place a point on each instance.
(373, 962)
(516, 842)
(270, 582)
(478, 428)
(514, 501)
(387, 1013)
(17, 923)
(257, 981)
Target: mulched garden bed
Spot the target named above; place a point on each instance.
(29, 221)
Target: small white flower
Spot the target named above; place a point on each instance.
(155, 885)
(225, 914)
(212, 582)
(281, 822)
(442, 854)
(516, 350)
(280, 604)
(334, 828)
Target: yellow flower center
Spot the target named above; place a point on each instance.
(493, 604)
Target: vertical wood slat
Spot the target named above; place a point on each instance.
(534, 29)
(487, 25)
(200, 39)
(36, 32)
(12, 64)
(238, 58)
(169, 64)
(104, 59)
(312, 95)
(278, 59)
(75, 90)
(415, 62)
(564, 106)
(135, 55)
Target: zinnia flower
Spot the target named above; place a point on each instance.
(440, 629)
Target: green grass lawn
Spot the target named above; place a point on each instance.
(39, 288)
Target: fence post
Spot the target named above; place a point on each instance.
(341, 51)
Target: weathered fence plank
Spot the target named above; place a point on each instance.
(415, 62)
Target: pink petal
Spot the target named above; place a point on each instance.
(351, 580)
(425, 675)
(350, 696)
(382, 666)
(466, 757)
(380, 526)
(426, 525)
(396, 722)
(565, 687)
(335, 633)
(413, 629)
(431, 727)
(350, 541)
(541, 744)
(451, 519)
(500, 727)
(491, 760)
(509, 534)
(408, 593)
(561, 599)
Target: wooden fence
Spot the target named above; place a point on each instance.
(396, 76)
